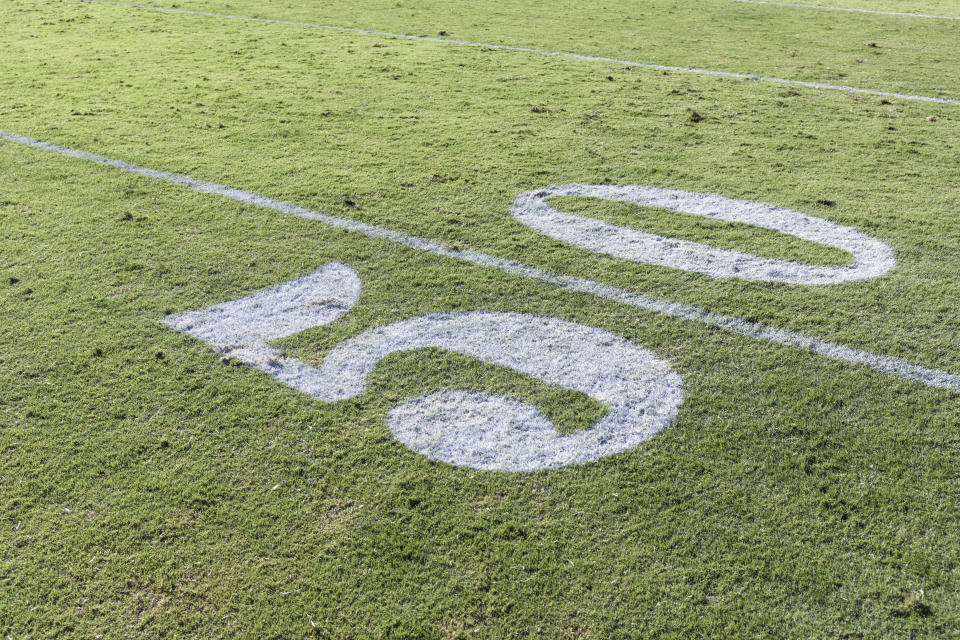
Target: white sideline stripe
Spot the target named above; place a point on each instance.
(544, 52)
(884, 364)
(818, 6)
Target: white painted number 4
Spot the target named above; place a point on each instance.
(493, 432)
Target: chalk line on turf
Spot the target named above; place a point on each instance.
(544, 52)
(242, 328)
(883, 364)
(849, 9)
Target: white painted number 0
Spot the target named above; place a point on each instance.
(872, 258)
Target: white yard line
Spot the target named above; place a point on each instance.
(824, 8)
(558, 54)
(884, 364)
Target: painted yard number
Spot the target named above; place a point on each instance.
(494, 432)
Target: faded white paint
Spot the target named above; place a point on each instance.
(479, 430)
(871, 258)
(491, 432)
(243, 328)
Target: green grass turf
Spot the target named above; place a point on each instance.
(149, 489)
(907, 55)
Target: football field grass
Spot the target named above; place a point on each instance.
(788, 465)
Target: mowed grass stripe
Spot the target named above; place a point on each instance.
(882, 364)
(559, 54)
(849, 9)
